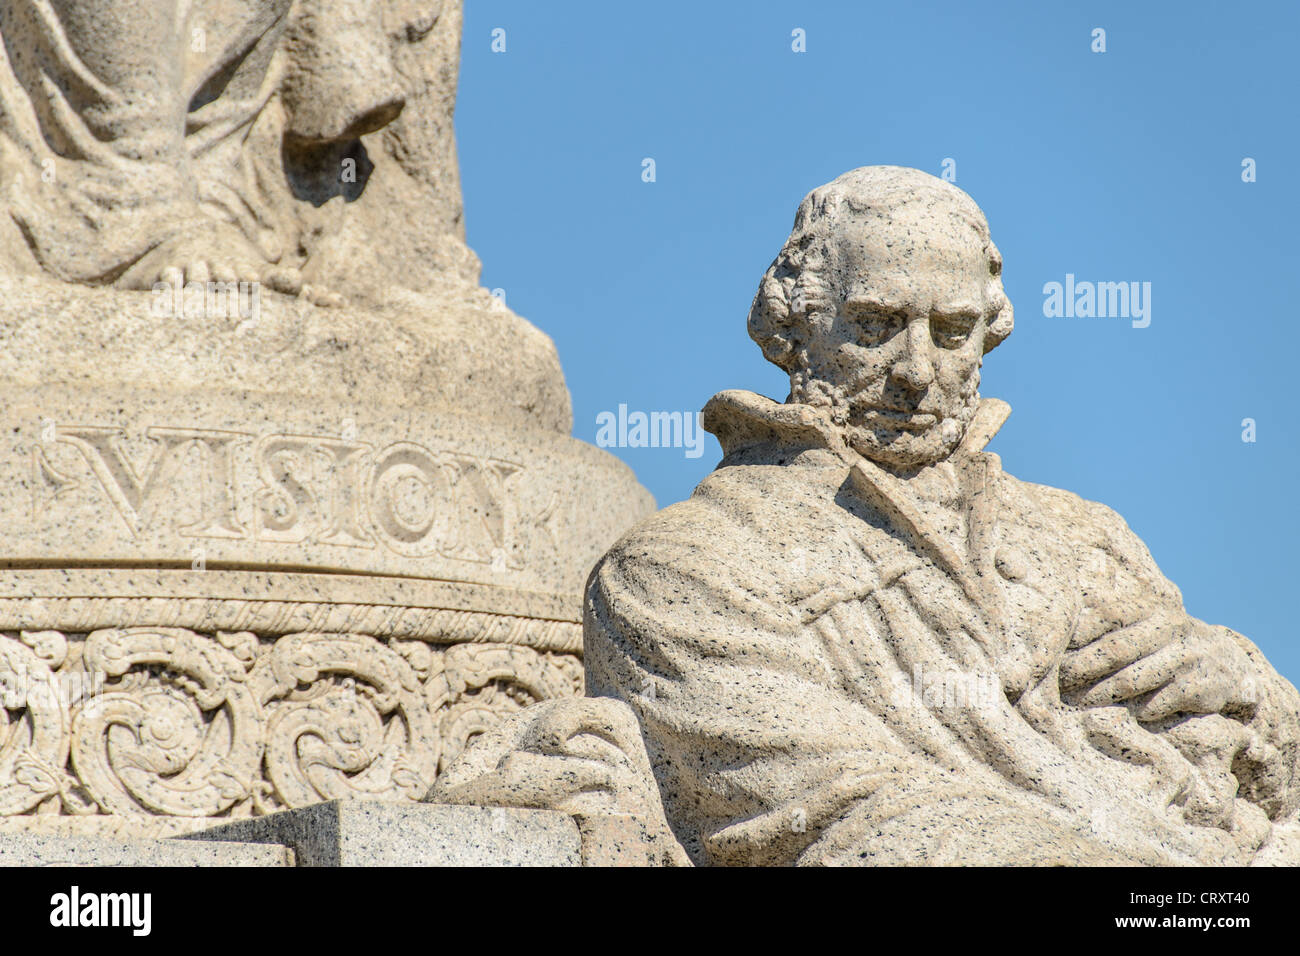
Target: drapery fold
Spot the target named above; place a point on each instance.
(98, 171)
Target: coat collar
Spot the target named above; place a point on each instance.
(741, 420)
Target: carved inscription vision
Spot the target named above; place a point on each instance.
(297, 489)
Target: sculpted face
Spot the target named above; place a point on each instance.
(906, 290)
(341, 82)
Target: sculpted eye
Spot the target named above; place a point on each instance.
(951, 331)
(875, 324)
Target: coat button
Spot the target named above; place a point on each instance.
(1011, 564)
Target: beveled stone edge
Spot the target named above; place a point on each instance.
(278, 602)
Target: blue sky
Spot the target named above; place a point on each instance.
(1117, 166)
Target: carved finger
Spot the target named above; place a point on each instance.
(546, 780)
(288, 281)
(1116, 650)
(1188, 693)
(1142, 677)
(322, 297)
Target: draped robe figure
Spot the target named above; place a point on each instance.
(121, 121)
(861, 641)
(209, 137)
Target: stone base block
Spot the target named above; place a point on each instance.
(20, 849)
(365, 833)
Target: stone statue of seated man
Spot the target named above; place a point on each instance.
(862, 641)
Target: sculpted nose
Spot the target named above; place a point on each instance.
(341, 82)
(386, 109)
(914, 368)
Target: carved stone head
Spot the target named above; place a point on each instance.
(342, 82)
(880, 307)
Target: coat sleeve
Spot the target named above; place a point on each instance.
(766, 750)
(1206, 689)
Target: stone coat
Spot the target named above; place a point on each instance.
(829, 668)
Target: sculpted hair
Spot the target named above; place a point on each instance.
(801, 284)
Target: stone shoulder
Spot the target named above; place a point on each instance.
(1103, 541)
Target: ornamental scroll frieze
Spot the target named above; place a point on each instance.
(172, 722)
